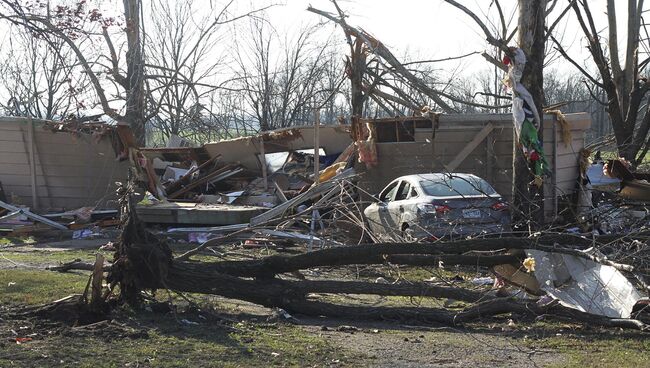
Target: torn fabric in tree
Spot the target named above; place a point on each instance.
(525, 116)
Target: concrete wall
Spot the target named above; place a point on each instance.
(72, 170)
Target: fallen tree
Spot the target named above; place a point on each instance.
(143, 262)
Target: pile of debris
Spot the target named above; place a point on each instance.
(559, 276)
(206, 192)
(617, 200)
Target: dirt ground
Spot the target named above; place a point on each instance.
(212, 331)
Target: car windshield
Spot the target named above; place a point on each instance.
(456, 186)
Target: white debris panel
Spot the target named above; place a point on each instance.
(585, 285)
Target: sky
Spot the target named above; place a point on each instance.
(435, 29)
(426, 29)
(423, 29)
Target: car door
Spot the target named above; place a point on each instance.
(397, 207)
(377, 213)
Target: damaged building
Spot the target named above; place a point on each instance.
(50, 166)
(246, 167)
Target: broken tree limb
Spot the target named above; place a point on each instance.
(275, 292)
(419, 289)
(380, 50)
(290, 296)
(273, 265)
(488, 35)
(369, 253)
(506, 305)
(77, 264)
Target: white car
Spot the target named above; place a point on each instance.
(438, 205)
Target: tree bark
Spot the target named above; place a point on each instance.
(357, 66)
(531, 39)
(293, 296)
(135, 101)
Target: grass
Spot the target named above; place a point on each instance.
(173, 345)
(37, 287)
(170, 342)
(594, 352)
(6, 240)
(251, 341)
(44, 257)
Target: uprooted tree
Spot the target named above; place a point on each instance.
(142, 262)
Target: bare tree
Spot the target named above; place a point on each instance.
(78, 24)
(39, 81)
(625, 88)
(284, 79)
(118, 52)
(181, 65)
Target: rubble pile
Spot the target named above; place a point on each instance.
(304, 209)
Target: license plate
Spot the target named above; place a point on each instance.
(472, 214)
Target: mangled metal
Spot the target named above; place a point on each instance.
(585, 285)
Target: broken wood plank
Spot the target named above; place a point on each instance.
(217, 175)
(177, 185)
(313, 192)
(10, 216)
(279, 193)
(32, 161)
(264, 165)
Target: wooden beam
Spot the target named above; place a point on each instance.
(489, 159)
(462, 155)
(279, 193)
(316, 146)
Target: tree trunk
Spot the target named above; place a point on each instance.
(135, 103)
(531, 39)
(357, 69)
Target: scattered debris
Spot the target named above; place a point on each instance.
(15, 211)
(634, 186)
